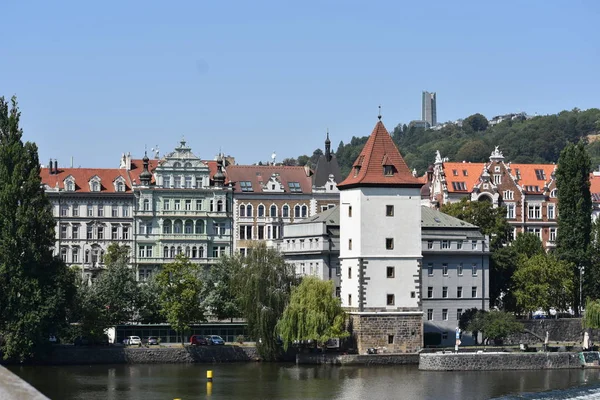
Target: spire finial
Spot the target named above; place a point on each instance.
(379, 116)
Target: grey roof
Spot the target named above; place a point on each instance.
(325, 168)
(330, 216)
(432, 218)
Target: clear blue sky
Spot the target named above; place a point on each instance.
(96, 79)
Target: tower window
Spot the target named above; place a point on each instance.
(349, 211)
(389, 211)
(390, 300)
(388, 170)
(389, 243)
(390, 272)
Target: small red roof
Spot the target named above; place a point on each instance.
(379, 152)
(259, 175)
(461, 177)
(82, 177)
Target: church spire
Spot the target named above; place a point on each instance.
(328, 147)
(145, 176)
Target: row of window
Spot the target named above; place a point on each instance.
(459, 292)
(146, 251)
(95, 232)
(534, 211)
(247, 232)
(389, 244)
(182, 181)
(246, 210)
(301, 244)
(176, 205)
(95, 185)
(430, 314)
(447, 244)
(459, 269)
(390, 299)
(294, 187)
(389, 211)
(179, 227)
(95, 255)
(95, 211)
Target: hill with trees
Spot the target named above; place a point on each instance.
(536, 140)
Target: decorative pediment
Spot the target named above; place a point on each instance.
(69, 183)
(273, 185)
(95, 184)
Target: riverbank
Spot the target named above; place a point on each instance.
(357, 359)
(75, 355)
(498, 361)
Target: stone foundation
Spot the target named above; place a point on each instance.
(498, 361)
(393, 332)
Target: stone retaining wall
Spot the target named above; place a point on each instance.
(358, 359)
(497, 361)
(397, 332)
(559, 330)
(64, 355)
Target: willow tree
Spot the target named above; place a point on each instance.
(314, 313)
(574, 210)
(35, 287)
(180, 287)
(263, 285)
(591, 318)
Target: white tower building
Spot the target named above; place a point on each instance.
(380, 248)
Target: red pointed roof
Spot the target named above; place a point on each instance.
(368, 169)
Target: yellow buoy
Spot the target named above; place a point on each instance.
(209, 375)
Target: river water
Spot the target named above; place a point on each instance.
(287, 381)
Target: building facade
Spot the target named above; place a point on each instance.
(93, 208)
(380, 248)
(454, 273)
(180, 208)
(528, 191)
(429, 108)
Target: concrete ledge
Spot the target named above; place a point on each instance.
(13, 387)
(71, 355)
(358, 359)
(497, 361)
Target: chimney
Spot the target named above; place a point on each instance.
(50, 167)
(56, 166)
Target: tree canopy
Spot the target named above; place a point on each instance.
(36, 288)
(219, 293)
(264, 285)
(495, 325)
(314, 313)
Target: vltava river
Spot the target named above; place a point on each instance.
(286, 381)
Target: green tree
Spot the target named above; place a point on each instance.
(219, 293)
(464, 322)
(591, 318)
(473, 151)
(575, 207)
(36, 289)
(591, 282)
(477, 122)
(314, 313)
(527, 244)
(495, 325)
(150, 311)
(542, 281)
(263, 286)
(302, 160)
(291, 162)
(180, 294)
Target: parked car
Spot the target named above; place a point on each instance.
(53, 339)
(132, 341)
(214, 339)
(152, 341)
(198, 340)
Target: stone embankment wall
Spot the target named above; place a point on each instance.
(13, 387)
(358, 359)
(373, 330)
(64, 355)
(497, 361)
(559, 330)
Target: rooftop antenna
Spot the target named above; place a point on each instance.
(379, 116)
(273, 157)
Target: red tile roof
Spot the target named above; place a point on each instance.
(261, 174)
(458, 173)
(82, 178)
(595, 186)
(368, 169)
(137, 166)
(529, 180)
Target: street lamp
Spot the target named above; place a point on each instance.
(581, 272)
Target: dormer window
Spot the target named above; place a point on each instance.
(246, 186)
(388, 170)
(455, 172)
(295, 187)
(95, 184)
(69, 184)
(120, 187)
(465, 172)
(356, 170)
(540, 174)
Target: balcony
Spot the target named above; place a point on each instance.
(153, 237)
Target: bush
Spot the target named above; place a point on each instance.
(432, 338)
(240, 339)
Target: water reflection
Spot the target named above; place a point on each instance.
(281, 381)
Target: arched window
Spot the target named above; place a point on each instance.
(220, 206)
(120, 187)
(200, 252)
(187, 251)
(70, 186)
(194, 252)
(177, 226)
(199, 227)
(188, 165)
(273, 211)
(189, 227)
(249, 210)
(285, 211)
(304, 211)
(553, 193)
(95, 187)
(172, 252)
(146, 205)
(261, 211)
(179, 250)
(166, 252)
(242, 210)
(167, 227)
(177, 165)
(297, 212)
